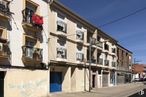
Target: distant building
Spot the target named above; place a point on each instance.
(138, 71)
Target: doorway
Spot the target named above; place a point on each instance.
(2, 77)
(93, 81)
(55, 81)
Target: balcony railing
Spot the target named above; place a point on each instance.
(106, 62)
(123, 68)
(4, 7)
(79, 56)
(32, 53)
(113, 64)
(31, 18)
(99, 44)
(4, 50)
(61, 53)
(61, 26)
(79, 35)
(100, 61)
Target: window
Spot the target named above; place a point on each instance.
(61, 53)
(113, 50)
(106, 46)
(29, 11)
(61, 26)
(79, 35)
(98, 38)
(79, 56)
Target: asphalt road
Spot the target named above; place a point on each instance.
(126, 90)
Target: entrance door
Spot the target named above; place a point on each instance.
(93, 81)
(55, 81)
(105, 79)
(2, 76)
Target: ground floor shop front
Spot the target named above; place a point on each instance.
(57, 78)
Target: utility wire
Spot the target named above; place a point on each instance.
(121, 18)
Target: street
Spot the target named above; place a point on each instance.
(125, 90)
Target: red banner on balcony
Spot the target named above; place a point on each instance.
(37, 19)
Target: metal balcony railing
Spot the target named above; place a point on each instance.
(4, 7)
(99, 44)
(30, 17)
(61, 53)
(113, 64)
(100, 61)
(32, 53)
(106, 62)
(4, 50)
(79, 56)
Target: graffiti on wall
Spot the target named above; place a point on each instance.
(29, 88)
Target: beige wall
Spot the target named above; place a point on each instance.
(26, 83)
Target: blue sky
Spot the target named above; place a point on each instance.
(130, 32)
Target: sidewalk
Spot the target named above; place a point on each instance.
(124, 90)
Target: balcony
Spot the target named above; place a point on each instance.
(31, 54)
(32, 20)
(61, 28)
(61, 54)
(113, 64)
(99, 44)
(122, 68)
(4, 49)
(106, 62)
(79, 57)
(79, 36)
(4, 9)
(100, 61)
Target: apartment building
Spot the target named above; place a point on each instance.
(69, 43)
(124, 65)
(23, 48)
(46, 48)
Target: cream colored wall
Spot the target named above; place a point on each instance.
(16, 34)
(71, 47)
(87, 79)
(26, 83)
(73, 79)
(80, 79)
(71, 44)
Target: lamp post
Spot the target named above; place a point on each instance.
(90, 64)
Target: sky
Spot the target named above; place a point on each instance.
(130, 32)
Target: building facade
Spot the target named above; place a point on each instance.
(46, 48)
(124, 65)
(138, 72)
(23, 48)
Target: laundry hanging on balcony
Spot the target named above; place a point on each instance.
(36, 19)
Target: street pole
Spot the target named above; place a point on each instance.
(90, 64)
